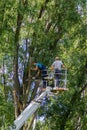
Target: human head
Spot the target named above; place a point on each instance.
(56, 58)
(34, 61)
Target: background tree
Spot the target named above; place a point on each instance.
(43, 29)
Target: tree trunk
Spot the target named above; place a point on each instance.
(15, 64)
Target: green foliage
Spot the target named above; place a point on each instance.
(59, 31)
(6, 111)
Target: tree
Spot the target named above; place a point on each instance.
(38, 29)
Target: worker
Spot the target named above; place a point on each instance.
(41, 71)
(57, 66)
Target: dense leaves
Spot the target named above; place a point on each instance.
(43, 29)
(6, 110)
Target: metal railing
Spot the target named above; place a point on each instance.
(55, 78)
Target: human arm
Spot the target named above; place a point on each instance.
(38, 73)
(63, 66)
(52, 66)
(35, 69)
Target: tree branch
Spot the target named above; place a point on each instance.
(42, 9)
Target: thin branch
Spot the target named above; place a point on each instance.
(42, 9)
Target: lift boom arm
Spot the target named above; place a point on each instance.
(29, 110)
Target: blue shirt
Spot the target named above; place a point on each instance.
(40, 66)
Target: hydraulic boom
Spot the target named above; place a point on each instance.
(29, 110)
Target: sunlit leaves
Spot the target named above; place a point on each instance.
(6, 111)
(60, 30)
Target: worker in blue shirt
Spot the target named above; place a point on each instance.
(41, 71)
